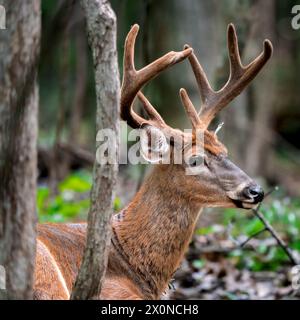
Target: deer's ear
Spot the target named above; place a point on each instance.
(153, 143)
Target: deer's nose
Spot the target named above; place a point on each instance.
(254, 192)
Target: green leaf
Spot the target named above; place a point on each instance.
(295, 245)
(209, 230)
(77, 182)
(117, 204)
(253, 226)
(42, 198)
(198, 264)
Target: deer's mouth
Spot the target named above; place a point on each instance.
(247, 197)
(244, 204)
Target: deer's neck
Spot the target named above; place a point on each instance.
(155, 230)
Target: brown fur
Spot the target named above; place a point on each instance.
(148, 243)
(212, 144)
(153, 232)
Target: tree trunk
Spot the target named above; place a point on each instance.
(259, 147)
(81, 84)
(19, 52)
(59, 167)
(101, 29)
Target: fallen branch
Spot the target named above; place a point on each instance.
(77, 153)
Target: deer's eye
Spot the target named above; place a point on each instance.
(196, 161)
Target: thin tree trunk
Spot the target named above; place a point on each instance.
(59, 166)
(259, 146)
(101, 29)
(19, 52)
(81, 84)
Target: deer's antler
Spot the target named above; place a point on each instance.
(134, 80)
(240, 77)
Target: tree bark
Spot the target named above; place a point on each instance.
(101, 29)
(19, 52)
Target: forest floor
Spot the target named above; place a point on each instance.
(208, 273)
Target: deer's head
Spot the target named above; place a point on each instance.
(206, 175)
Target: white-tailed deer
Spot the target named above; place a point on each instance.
(151, 235)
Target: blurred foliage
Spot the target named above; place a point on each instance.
(71, 203)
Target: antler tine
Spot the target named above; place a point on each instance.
(206, 92)
(129, 50)
(134, 80)
(152, 113)
(129, 73)
(236, 66)
(190, 109)
(157, 120)
(240, 77)
(203, 84)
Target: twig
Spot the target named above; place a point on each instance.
(226, 248)
(251, 237)
(275, 235)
